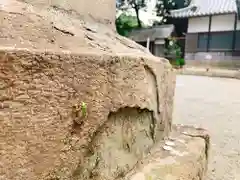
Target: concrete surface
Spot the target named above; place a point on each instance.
(213, 103)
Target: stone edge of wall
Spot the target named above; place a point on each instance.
(174, 157)
(221, 73)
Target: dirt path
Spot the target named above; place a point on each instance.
(213, 103)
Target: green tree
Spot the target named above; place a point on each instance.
(133, 4)
(173, 49)
(163, 8)
(174, 53)
(125, 23)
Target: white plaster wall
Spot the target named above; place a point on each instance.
(223, 22)
(219, 23)
(238, 25)
(198, 24)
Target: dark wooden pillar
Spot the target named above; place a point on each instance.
(234, 32)
(209, 32)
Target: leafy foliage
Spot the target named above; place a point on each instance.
(173, 49)
(135, 4)
(125, 23)
(163, 8)
(84, 109)
(173, 52)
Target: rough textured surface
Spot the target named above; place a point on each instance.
(52, 60)
(119, 144)
(56, 29)
(213, 103)
(88, 10)
(39, 91)
(184, 155)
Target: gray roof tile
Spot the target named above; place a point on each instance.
(153, 33)
(206, 7)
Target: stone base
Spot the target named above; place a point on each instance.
(224, 64)
(184, 155)
(211, 72)
(217, 60)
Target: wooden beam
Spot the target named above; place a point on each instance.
(209, 32)
(148, 43)
(179, 37)
(234, 33)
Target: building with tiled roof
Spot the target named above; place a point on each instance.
(153, 37)
(206, 7)
(213, 35)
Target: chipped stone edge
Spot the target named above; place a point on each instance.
(198, 132)
(86, 52)
(168, 146)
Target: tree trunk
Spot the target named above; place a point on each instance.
(138, 19)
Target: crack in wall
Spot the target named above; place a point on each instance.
(152, 77)
(64, 31)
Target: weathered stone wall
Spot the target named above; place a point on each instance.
(52, 61)
(100, 10)
(43, 136)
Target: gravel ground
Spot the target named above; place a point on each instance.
(214, 104)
